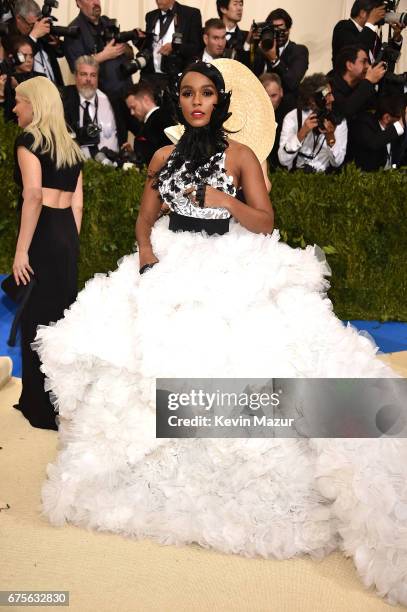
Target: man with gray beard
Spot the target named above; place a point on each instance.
(90, 113)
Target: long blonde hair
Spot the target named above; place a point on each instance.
(48, 124)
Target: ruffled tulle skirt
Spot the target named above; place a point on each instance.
(238, 305)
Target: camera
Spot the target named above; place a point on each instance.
(107, 157)
(268, 34)
(9, 65)
(389, 56)
(71, 32)
(89, 135)
(138, 63)
(111, 31)
(322, 112)
(392, 16)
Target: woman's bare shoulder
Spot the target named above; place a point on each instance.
(161, 156)
(240, 152)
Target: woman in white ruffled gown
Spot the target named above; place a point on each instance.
(222, 297)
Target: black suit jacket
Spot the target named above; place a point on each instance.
(90, 42)
(346, 33)
(71, 102)
(152, 137)
(235, 47)
(188, 22)
(351, 101)
(368, 143)
(292, 66)
(287, 104)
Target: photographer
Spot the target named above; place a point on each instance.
(90, 113)
(19, 63)
(361, 29)
(376, 140)
(237, 40)
(354, 81)
(285, 58)
(28, 21)
(214, 38)
(109, 55)
(176, 42)
(282, 105)
(142, 105)
(313, 138)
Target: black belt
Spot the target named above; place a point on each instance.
(181, 223)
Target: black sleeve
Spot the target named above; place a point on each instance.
(292, 74)
(348, 106)
(194, 43)
(74, 48)
(24, 140)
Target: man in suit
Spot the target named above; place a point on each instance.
(176, 42)
(354, 82)
(237, 40)
(361, 30)
(142, 105)
(376, 140)
(282, 105)
(28, 22)
(214, 39)
(285, 58)
(85, 104)
(109, 55)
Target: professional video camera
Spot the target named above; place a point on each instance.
(138, 63)
(88, 135)
(392, 16)
(107, 157)
(322, 112)
(71, 32)
(267, 34)
(111, 31)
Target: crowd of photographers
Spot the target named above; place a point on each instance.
(357, 112)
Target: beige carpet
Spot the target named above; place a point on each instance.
(108, 573)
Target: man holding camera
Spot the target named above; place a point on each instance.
(376, 140)
(361, 29)
(93, 41)
(90, 114)
(354, 81)
(28, 21)
(284, 57)
(313, 138)
(177, 40)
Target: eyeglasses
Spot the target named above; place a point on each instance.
(27, 23)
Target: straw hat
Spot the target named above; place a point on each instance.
(252, 122)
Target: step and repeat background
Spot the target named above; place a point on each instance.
(314, 20)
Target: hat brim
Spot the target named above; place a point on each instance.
(253, 121)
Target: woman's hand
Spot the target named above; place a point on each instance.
(21, 268)
(214, 198)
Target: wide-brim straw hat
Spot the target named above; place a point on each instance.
(252, 121)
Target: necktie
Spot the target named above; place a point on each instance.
(86, 115)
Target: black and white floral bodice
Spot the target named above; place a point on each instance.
(174, 184)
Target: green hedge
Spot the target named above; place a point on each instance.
(358, 219)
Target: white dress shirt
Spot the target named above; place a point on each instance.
(105, 119)
(206, 57)
(160, 42)
(42, 63)
(315, 147)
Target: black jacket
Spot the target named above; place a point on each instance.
(346, 33)
(71, 102)
(292, 66)
(368, 143)
(351, 101)
(90, 42)
(287, 104)
(152, 137)
(188, 22)
(235, 47)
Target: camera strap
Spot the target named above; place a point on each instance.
(315, 152)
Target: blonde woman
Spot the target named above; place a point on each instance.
(48, 169)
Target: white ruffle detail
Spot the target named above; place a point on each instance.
(240, 305)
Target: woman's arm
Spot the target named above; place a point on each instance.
(150, 208)
(77, 203)
(32, 201)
